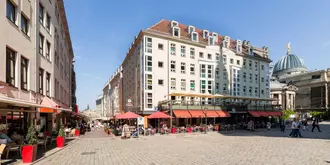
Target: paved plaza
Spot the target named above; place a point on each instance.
(232, 148)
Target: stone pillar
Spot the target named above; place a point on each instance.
(326, 96)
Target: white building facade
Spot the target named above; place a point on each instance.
(170, 57)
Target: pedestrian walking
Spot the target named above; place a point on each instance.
(269, 125)
(282, 125)
(316, 121)
(294, 127)
(305, 125)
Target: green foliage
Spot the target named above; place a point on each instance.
(31, 136)
(316, 113)
(61, 132)
(287, 113)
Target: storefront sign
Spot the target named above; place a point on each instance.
(140, 121)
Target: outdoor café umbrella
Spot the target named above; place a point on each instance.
(159, 115)
(127, 115)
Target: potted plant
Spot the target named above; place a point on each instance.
(60, 139)
(77, 131)
(29, 151)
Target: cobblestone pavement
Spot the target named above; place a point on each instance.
(232, 148)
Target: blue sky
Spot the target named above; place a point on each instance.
(102, 31)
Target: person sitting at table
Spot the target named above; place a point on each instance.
(3, 135)
(16, 137)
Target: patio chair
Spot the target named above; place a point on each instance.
(72, 133)
(43, 142)
(14, 148)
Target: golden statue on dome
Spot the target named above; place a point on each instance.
(288, 48)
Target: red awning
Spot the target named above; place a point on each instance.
(158, 115)
(127, 115)
(182, 114)
(263, 114)
(276, 113)
(196, 113)
(211, 114)
(223, 113)
(254, 113)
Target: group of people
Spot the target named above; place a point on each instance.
(296, 125)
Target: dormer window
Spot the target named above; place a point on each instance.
(205, 33)
(191, 29)
(239, 46)
(215, 35)
(211, 40)
(227, 42)
(176, 31)
(174, 24)
(194, 36)
(251, 51)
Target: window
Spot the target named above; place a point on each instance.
(194, 36)
(262, 67)
(224, 59)
(183, 67)
(203, 86)
(232, 61)
(256, 65)
(262, 92)
(10, 66)
(176, 31)
(201, 55)
(203, 71)
(160, 64)
(48, 84)
(238, 62)
(250, 91)
(183, 51)
(192, 85)
(211, 40)
(149, 63)
(224, 88)
(192, 53)
(217, 72)
(209, 56)
(173, 83)
(191, 29)
(11, 11)
(172, 49)
(48, 22)
(160, 46)
(160, 82)
(24, 72)
(250, 64)
(209, 87)
(41, 14)
(24, 24)
(48, 51)
(210, 71)
(57, 59)
(262, 79)
(256, 91)
(172, 66)
(41, 81)
(250, 77)
(217, 86)
(244, 76)
(256, 78)
(148, 45)
(192, 69)
(183, 84)
(41, 44)
(244, 63)
(244, 89)
(205, 33)
(149, 100)
(149, 82)
(217, 56)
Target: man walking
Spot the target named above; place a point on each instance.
(316, 121)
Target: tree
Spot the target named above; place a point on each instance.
(287, 113)
(87, 106)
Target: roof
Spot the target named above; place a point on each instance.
(164, 27)
(289, 62)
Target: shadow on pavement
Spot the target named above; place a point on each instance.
(275, 132)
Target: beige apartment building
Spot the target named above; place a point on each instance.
(171, 57)
(35, 54)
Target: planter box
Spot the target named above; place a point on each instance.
(77, 132)
(29, 153)
(60, 140)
